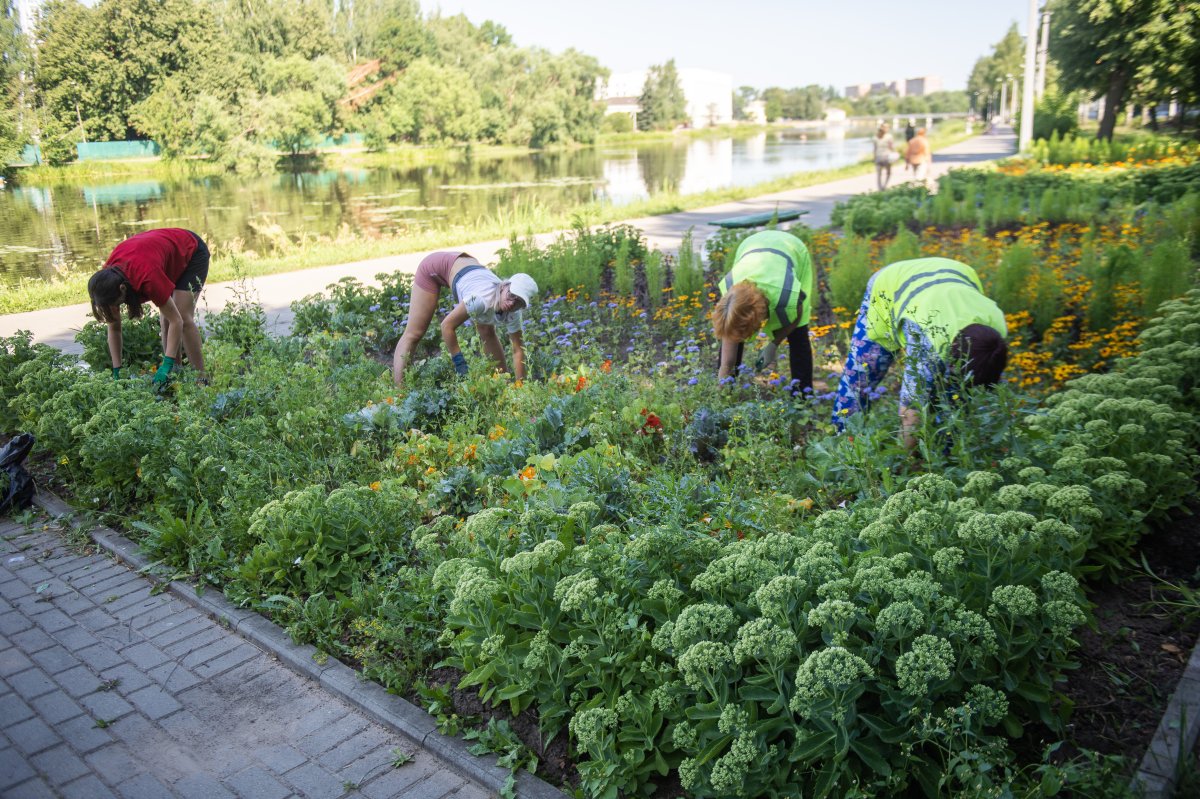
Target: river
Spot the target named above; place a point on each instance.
(50, 231)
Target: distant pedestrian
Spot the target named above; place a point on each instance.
(909, 131)
(919, 157)
(771, 281)
(165, 266)
(480, 295)
(885, 155)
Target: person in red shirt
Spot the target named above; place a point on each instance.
(167, 267)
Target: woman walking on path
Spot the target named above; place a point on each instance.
(167, 267)
(885, 154)
(771, 281)
(933, 309)
(479, 295)
(919, 156)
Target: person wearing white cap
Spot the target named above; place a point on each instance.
(480, 295)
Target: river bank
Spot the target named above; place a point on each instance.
(287, 254)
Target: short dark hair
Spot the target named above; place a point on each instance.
(104, 288)
(980, 352)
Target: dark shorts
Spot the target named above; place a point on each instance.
(196, 271)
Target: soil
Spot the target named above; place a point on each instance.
(1131, 661)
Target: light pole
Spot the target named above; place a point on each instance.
(1043, 54)
(1004, 97)
(1025, 138)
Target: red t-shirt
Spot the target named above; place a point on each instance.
(154, 261)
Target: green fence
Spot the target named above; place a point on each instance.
(107, 150)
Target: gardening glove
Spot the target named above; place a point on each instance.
(164, 372)
(460, 364)
(767, 358)
(116, 373)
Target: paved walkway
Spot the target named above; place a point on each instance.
(57, 326)
(110, 690)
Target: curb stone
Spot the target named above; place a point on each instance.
(1175, 737)
(331, 674)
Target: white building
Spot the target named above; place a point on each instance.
(919, 87)
(708, 94)
(756, 112)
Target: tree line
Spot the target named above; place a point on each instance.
(235, 80)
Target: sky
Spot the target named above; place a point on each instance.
(766, 42)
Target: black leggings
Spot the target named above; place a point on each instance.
(800, 358)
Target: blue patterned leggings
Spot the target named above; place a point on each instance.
(866, 365)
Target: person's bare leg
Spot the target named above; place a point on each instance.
(422, 306)
(185, 301)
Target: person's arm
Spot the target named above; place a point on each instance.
(450, 326)
(116, 345)
(728, 358)
(518, 348)
(491, 345)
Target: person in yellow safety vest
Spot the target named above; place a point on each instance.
(933, 309)
(771, 281)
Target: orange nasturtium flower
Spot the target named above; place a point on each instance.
(606, 367)
(527, 474)
(376, 485)
(581, 383)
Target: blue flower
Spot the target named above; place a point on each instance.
(373, 308)
(693, 381)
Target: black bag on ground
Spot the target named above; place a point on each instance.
(18, 494)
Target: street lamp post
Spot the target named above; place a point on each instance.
(1004, 97)
(1025, 138)
(1043, 54)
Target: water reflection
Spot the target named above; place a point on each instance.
(46, 231)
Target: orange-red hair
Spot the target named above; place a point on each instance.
(740, 313)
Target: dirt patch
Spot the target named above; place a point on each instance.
(1131, 662)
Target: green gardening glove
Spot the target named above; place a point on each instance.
(116, 373)
(164, 372)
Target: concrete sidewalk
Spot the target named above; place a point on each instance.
(109, 689)
(57, 326)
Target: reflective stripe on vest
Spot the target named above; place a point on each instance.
(789, 277)
(900, 305)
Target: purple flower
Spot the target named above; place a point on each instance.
(373, 308)
(693, 381)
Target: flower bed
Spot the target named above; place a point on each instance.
(693, 582)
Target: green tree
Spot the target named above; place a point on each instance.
(662, 102)
(1007, 58)
(430, 103)
(14, 61)
(300, 102)
(1118, 48)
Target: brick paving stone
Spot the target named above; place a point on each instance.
(173, 677)
(53, 620)
(78, 682)
(184, 725)
(88, 787)
(181, 648)
(101, 658)
(436, 785)
(31, 641)
(222, 644)
(280, 758)
(55, 659)
(106, 705)
(255, 783)
(35, 788)
(60, 764)
(470, 791)
(13, 709)
(168, 616)
(13, 661)
(133, 610)
(154, 702)
(202, 786)
(353, 748)
(231, 659)
(146, 655)
(31, 683)
(13, 622)
(113, 763)
(55, 708)
(310, 780)
(134, 597)
(73, 603)
(329, 736)
(95, 620)
(119, 583)
(32, 736)
(143, 786)
(373, 763)
(129, 678)
(14, 768)
(397, 782)
(178, 632)
(83, 734)
(76, 637)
